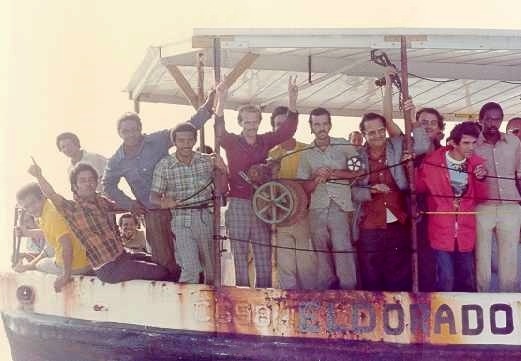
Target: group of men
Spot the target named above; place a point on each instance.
(355, 233)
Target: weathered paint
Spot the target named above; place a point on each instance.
(400, 318)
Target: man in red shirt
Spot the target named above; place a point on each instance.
(452, 178)
(243, 151)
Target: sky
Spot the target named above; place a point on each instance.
(64, 64)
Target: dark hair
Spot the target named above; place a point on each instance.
(280, 110)
(29, 189)
(319, 111)
(183, 127)
(439, 117)
(513, 120)
(489, 106)
(67, 135)
(130, 116)
(371, 116)
(128, 215)
(207, 149)
(80, 167)
(466, 128)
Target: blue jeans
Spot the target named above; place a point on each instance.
(454, 271)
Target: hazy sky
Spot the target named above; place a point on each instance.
(65, 63)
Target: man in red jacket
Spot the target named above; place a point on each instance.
(452, 178)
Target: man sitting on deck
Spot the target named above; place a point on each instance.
(135, 160)
(70, 258)
(187, 175)
(89, 217)
(243, 151)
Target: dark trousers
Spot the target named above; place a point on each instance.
(160, 238)
(426, 260)
(454, 271)
(384, 257)
(132, 266)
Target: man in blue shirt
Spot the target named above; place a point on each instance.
(135, 160)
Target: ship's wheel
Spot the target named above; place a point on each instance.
(273, 202)
(354, 164)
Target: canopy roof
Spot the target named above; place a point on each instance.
(453, 70)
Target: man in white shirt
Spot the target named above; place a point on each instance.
(69, 144)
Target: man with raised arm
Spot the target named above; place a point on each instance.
(182, 183)
(243, 151)
(70, 258)
(135, 160)
(90, 219)
(296, 269)
(325, 167)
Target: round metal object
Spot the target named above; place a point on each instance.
(300, 202)
(354, 164)
(25, 295)
(273, 202)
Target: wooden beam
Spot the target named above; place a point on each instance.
(185, 86)
(246, 61)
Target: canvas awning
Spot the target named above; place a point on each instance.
(453, 70)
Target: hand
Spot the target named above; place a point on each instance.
(20, 231)
(21, 268)
(218, 162)
(319, 179)
(323, 172)
(292, 93)
(208, 104)
(480, 172)
(390, 72)
(221, 90)
(138, 209)
(406, 156)
(380, 188)
(35, 169)
(60, 282)
(408, 105)
(167, 202)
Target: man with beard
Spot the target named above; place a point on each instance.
(188, 175)
(325, 165)
(502, 212)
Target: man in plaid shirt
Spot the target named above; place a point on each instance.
(90, 220)
(182, 182)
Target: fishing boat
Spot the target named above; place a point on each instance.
(454, 71)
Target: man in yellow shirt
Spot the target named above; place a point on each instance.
(297, 269)
(70, 257)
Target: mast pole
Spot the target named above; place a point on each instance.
(218, 197)
(409, 165)
(200, 94)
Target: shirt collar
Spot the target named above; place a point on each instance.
(502, 137)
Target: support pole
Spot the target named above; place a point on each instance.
(218, 197)
(410, 165)
(200, 95)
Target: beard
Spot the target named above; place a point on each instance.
(491, 131)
